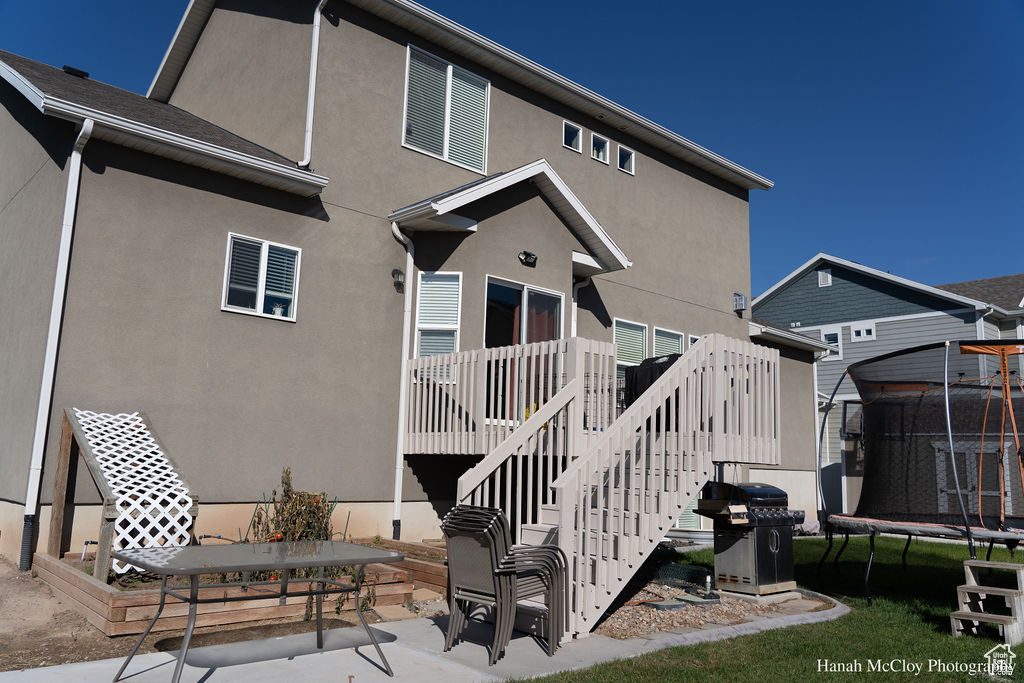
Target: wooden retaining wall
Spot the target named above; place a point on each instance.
(118, 612)
(431, 574)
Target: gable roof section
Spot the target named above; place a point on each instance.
(453, 36)
(825, 259)
(1006, 291)
(436, 213)
(129, 119)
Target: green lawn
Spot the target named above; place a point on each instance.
(909, 620)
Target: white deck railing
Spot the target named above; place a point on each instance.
(472, 401)
(718, 402)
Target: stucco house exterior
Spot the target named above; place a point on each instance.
(865, 312)
(311, 241)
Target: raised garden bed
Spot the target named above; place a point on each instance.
(119, 612)
(425, 563)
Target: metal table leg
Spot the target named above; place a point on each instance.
(867, 574)
(193, 596)
(369, 632)
(320, 609)
(138, 643)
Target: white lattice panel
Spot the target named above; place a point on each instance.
(152, 501)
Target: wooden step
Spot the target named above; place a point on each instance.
(991, 590)
(1001, 619)
(986, 564)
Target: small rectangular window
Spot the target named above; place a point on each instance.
(438, 313)
(860, 332)
(667, 342)
(834, 337)
(446, 111)
(599, 148)
(626, 156)
(824, 277)
(261, 277)
(693, 339)
(572, 136)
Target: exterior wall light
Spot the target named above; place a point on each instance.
(739, 302)
(399, 278)
(528, 259)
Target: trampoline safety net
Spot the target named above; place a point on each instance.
(908, 476)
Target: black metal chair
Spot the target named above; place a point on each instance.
(484, 568)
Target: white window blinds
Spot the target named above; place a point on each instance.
(446, 111)
(631, 342)
(261, 277)
(438, 312)
(666, 342)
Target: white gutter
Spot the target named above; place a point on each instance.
(410, 252)
(52, 338)
(575, 297)
(307, 146)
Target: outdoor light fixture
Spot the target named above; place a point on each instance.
(739, 302)
(399, 278)
(528, 259)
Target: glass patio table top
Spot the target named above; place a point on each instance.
(249, 557)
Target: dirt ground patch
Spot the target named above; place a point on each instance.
(40, 628)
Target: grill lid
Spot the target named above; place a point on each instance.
(749, 493)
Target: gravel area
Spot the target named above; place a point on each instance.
(631, 621)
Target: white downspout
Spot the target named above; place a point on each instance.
(575, 297)
(410, 253)
(307, 146)
(60, 280)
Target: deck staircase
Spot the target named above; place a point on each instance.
(973, 595)
(567, 469)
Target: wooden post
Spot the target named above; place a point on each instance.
(63, 498)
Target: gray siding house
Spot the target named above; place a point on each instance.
(864, 313)
(304, 257)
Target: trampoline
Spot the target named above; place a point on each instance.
(943, 456)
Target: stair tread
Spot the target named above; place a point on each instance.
(539, 526)
(991, 564)
(991, 590)
(1004, 619)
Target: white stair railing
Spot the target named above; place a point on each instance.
(718, 402)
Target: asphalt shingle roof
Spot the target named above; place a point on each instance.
(1005, 291)
(109, 99)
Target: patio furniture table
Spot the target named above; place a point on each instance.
(244, 558)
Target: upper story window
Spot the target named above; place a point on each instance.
(824, 277)
(261, 278)
(572, 136)
(667, 342)
(446, 111)
(833, 335)
(862, 332)
(626, 159)
(599, 148)
(438, 313)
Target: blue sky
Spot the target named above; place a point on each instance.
(894, 130)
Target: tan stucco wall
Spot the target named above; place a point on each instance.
(33, 154)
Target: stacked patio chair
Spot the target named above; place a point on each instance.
(484, 568)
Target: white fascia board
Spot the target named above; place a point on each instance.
(301, 182)
(22, 85)
(895, 279)
(182, 43)
(446, 205)
(792, 339)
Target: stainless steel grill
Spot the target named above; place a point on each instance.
(753, 530)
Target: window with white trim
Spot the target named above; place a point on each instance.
(261, 277)
(572, 136)
(861, 332)
(824, 277)
(446, 111)
(667, 342)
(626, 159)
(599, 148)
(694, 338)
(630, 344)
(438, 313)
(833, 336)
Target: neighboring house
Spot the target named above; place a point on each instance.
(350, 315)
(863, 313)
